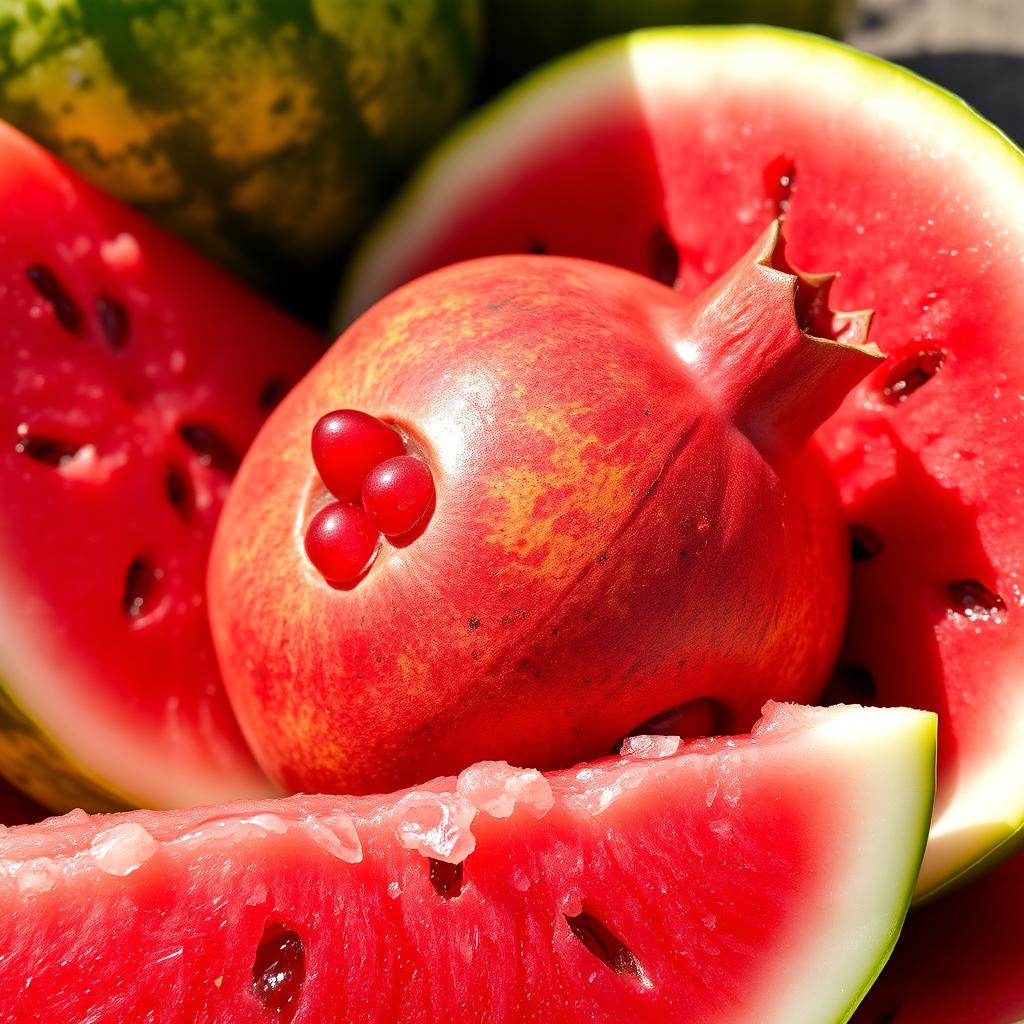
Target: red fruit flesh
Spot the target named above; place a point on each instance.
(606, 543)
(341, 541)
(134, 376)
(347, 444)
(743, 880)
(666, 153)
(397, 494)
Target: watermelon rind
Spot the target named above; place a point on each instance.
(855, 783)
(986, 822)
(263, 133)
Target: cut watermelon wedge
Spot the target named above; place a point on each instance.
(758, 878)
(959, 959)
(668, 152)
(135, 375)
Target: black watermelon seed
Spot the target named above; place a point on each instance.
(210, 446)
(47, 284)
(600, 940)
(178, 490)
(114, 321)
(972, 598)
(140, 585)
(279, 972)
(48, 450)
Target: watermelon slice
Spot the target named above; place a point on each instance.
(758, 878)
(135, 375)
(667, 152)
(959, 959)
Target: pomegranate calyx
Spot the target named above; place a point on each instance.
(780, 359)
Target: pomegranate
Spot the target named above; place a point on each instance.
(573, 503)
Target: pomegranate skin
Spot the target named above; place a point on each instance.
(605, 544)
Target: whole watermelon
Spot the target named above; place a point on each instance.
(520, 34)
(266, 132)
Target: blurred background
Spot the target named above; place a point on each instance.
(974, 47)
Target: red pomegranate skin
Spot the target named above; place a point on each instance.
(605, 543)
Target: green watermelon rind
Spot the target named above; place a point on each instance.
(398, 221)
(44, 770)
(926, 748)
(823, 966)
(140, 99)
(408, 222)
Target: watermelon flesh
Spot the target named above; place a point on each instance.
(667, 153)
(762, 877)
(958, 959)
(135, 377)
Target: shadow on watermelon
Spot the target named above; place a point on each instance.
(959, 959)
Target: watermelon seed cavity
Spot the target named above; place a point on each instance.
(910, 374)
(140, 584)
(664, 256)
(600, 940)
(210, 446)
(47, 450)
(975, 600)
(279, 971)
(780, 184)
(446, 878)
(65, 309)
(864, 543)
(178, 490)
(113, 318)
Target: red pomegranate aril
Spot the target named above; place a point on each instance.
(397, 494)
(347, 444)
(341, 542)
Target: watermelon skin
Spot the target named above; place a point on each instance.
(135, 374)
(264, 133)
(602, 155)
(752, 878)
(522, 34)
(958, 958)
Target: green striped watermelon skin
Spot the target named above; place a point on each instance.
(266, 132)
